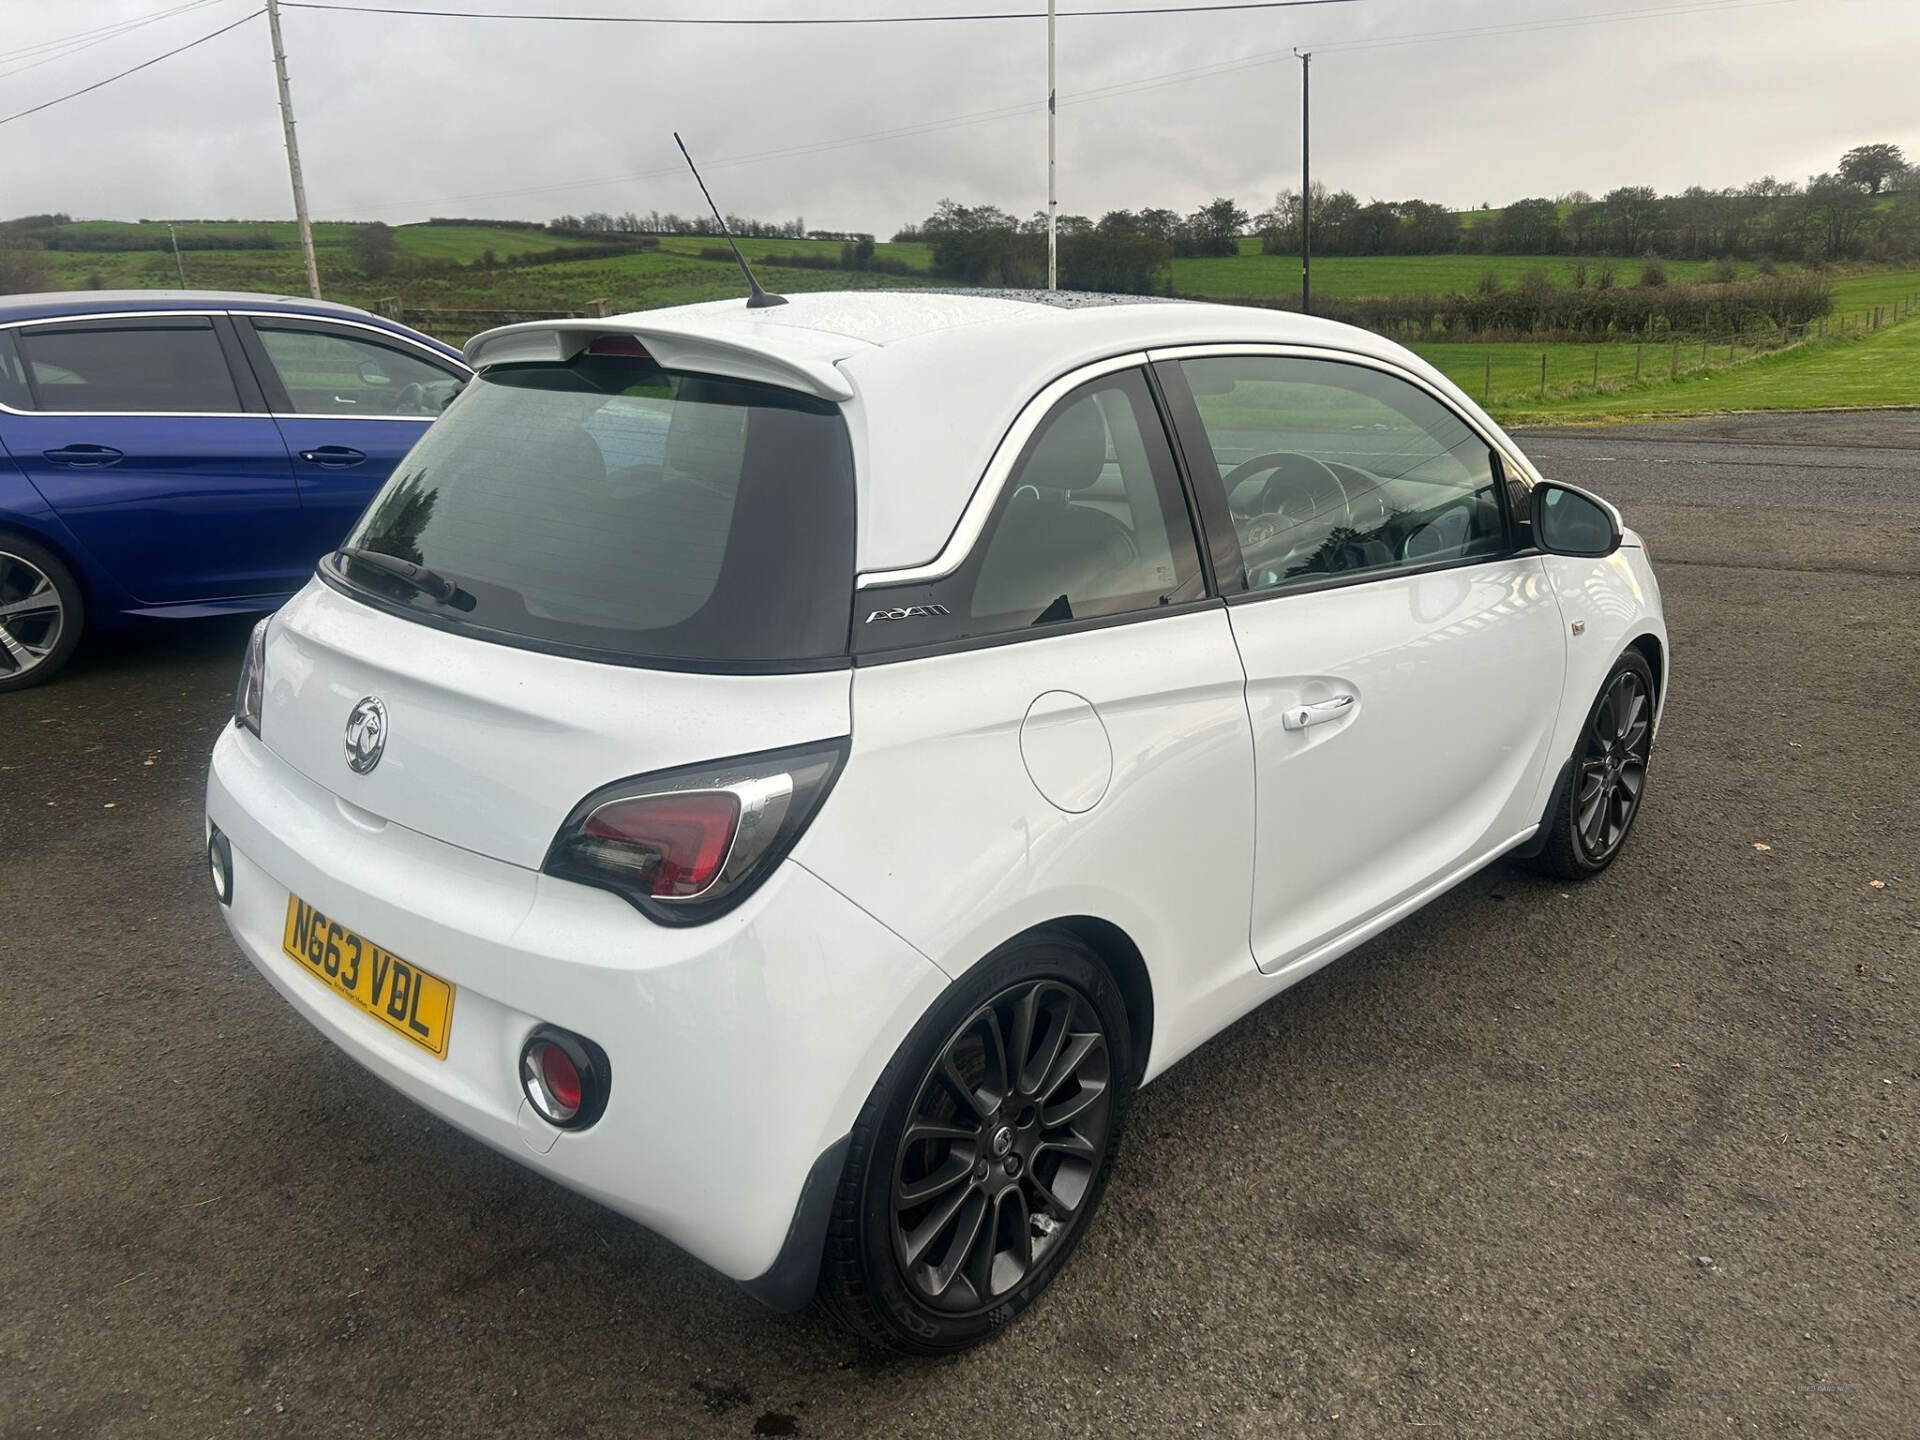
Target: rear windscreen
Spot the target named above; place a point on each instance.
(608, 505)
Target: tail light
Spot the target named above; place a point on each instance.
(685, 846)
(249, 694)
(565, 1077)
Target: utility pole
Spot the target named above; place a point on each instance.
(1306, 190)
(293, 150)
(1053, 201)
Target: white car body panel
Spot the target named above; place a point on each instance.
(1456, 678)
(740, 1049)
(1133, 773)
(938, 829)
(480, 753)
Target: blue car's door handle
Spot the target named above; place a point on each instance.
(82, 457)
(333, 457)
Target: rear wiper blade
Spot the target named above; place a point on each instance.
(430, 583)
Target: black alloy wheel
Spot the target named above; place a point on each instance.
(1599, 800)
(983, 1151)
(1613, 768)
(1005, 1135)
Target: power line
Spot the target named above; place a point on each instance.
(101, 32)
(32, 57)
(98, 84)
(1105, 92)
(799, 20)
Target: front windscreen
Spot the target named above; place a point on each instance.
(607, 505)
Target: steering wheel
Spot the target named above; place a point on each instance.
(1301, 490)
(412, 400)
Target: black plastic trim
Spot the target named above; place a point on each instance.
(589, 1060)
(329, 574)
(253, 399)
(788, 1284)
(1532, 846)
(1034, 632)
(221, 850)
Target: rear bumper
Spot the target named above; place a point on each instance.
(741, 1051)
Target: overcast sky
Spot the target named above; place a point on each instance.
(402, 117)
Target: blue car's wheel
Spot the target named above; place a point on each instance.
(41, 613)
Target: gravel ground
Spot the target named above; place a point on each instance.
(1634, 1158)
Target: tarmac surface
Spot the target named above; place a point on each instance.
(1638, 1157)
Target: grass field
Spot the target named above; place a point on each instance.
(1251, 273)
(1849, 369)
(1878, 368)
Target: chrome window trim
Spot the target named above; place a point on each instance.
(1515, 464)
(973, 520)
(210, 314)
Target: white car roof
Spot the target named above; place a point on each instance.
(932, 380)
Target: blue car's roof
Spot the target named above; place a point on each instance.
(59, 303)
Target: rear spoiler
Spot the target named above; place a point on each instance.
(799, 360)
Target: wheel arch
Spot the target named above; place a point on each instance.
(1655, 653)
(1122, 957)
(66, 555)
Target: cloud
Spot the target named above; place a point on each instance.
(401, 118)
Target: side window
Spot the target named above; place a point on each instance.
(13, 379)
(168, 366)
(1091, 523)
(327, 373)
(1331, 468)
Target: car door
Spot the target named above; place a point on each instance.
(1053, 715)
(350, 401)
(1404, 662)
(156, 452)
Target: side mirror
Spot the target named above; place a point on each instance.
(1567, 521)
(372, 374)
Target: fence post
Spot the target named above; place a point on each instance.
(1596, 369)
(1636, 363)
(1673, 370)
(1543, 374)
(1486, 385)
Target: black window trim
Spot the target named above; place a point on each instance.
(1185, 414)
(1046, 402)
(281, 404)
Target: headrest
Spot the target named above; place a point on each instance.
(1071, 450)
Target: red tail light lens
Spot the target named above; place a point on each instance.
(673, 844)
(684, 846)
(618, 345)
(565, 1077)
(562, 1079)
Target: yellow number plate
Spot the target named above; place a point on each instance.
(406, 999)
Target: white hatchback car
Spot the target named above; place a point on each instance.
(791, 774)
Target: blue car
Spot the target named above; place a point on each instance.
(175, 454)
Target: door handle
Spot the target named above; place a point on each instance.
(333, 457)
(1299, 717)
(83, 457)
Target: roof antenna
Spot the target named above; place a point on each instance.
(759, 299)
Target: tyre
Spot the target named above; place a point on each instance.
(1600, 798)
(979, 1159)
(42, 613)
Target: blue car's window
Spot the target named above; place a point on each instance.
(168, 367)
(329, 374)
(13, 380)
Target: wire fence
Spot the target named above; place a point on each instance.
(1513, 371)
